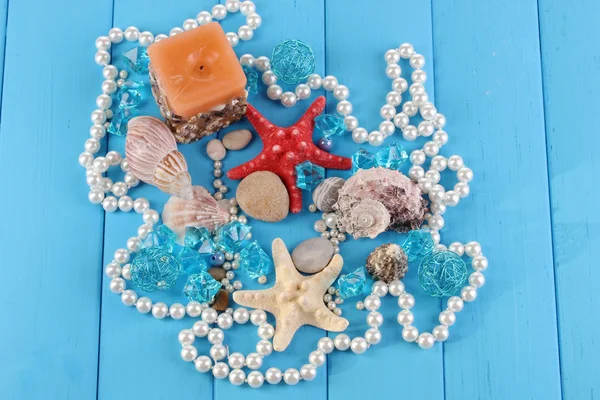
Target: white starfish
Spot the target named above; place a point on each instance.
(295, 300)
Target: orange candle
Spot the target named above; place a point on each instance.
(196, 74)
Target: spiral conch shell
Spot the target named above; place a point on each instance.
(153, 156)
(196, 208)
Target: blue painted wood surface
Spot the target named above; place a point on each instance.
(517, 81)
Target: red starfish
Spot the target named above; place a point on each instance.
(284, 148)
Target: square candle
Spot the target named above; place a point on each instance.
(197, 82)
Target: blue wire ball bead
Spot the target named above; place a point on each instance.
(442, 274)
(217, 259)
(325, 144)
(292, 61)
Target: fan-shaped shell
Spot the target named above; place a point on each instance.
(153, 156)
(199, 208)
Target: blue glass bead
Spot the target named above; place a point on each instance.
(330, 125)
(162, 235)
(254, 261)
(325, 144)
(130, 94)
(217, 259)
(391, 157)
(120, 119)
(362, 159)
(191, 261)
(352, 284)
(442, 273)
(201, 287)
(154, 269)
(251, 79)
(292, 61)
(418, 244)
(309, 175)
(137, 59)
(199, 239)
(231, 236)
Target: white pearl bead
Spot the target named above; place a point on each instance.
(274, 92)
(396, 287)
(110, 204)
(288, 99)
(150, 217)
(447, 317)
(431, 149)
(143, 305)
(416, 172)
(372, 302)
(177, 311)
(160, 37)
(103, 43)
(209, 315)
(457, 248)
(468, 294)
(351, 123)
(399, 85)
(247, 7)
(374, 319)
(417, 61)
(392, 56)
(410, 333)
(401, 120)
(237, 377)
(394, 99)
(417, 157)
(360, 135)
(160, 310)
(317, 358)
(140, 205)
(218, 352)
(186, 336)
(308, 372)
(203, 364)
(416, 88)
(436, 222)
(462, 189)
(473, 249)
(302, 91)
(344, 108)
(121, 256)
(387, 128)
(455, 163)
(98, 117)
(426, 340)
(233, 38)
(98, 131)
(410, 133)
(264, 347)
(131, 34)
(113, 270)
(273, 376)
(92, 145)
(220, 370)
(326, 345)
(375, 138)
(342, 342)
(266, 331)
(433, 175)
(193, 309)
(203, 18)
(269, 78)
(476, 279)
(232, 5)
(373, 336)
(329, 83)
(393, 71)
(406, 301)
(439, 163)
(255, 379)
(175, 31)
(253, 20)
(479, 263)
(189, 353)
(245, 32)
(200, 328)
(262, 63)
(258, 317)
(387, 111)
(110, 72)
(451, 198)
(405, 317)
(341, 92)
(464, 174)
(189, 24)
(291, 376)
(125, 203)
(314, 81)
(379, 288)
(146, 39)
(441, 333)
(241, 315)
(129, 297)
(247, 60)
(419, 76)
(219, 12)
(115, 35)
(425, 128)
(102, 57)
(406, 50)
(425, 185)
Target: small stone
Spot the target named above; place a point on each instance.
(217, 273)
(221, 300)
(215, 150)
(312, 255)
(263, 196)
(237, 140)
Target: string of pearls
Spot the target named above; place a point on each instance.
(113, 196)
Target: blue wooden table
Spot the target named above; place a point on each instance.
(517, 81)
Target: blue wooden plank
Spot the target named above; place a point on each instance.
(356, 56)
(573, 170)
(488, 84)
(3, 22)
(152, 350)
(52, 237)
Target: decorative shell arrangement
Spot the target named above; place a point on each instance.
(153, 156)
(378, 199)
(196, 208)
(326, 194)
(387, 262)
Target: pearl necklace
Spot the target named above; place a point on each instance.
(432, 125)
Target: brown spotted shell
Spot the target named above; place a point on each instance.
(387, 263)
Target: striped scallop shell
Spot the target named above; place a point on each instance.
(198, 208)
(153, 157)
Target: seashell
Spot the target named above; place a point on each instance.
(368, 218)
(387, 263)
(153, 157)
(326, 194)
(400, 196)
(196, 208)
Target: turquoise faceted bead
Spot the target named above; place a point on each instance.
(199, 239)
(154, 269)
(330, 125)
(120, 119)
(231, 236)
(191, 261)
(163, 236)
(362, 159)
(309, 175)
(137, 59)
(352, 284)
(254, 261)
(201, 287)
(251, 79)
(130, 94)
(391, 157)
(418, 244)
